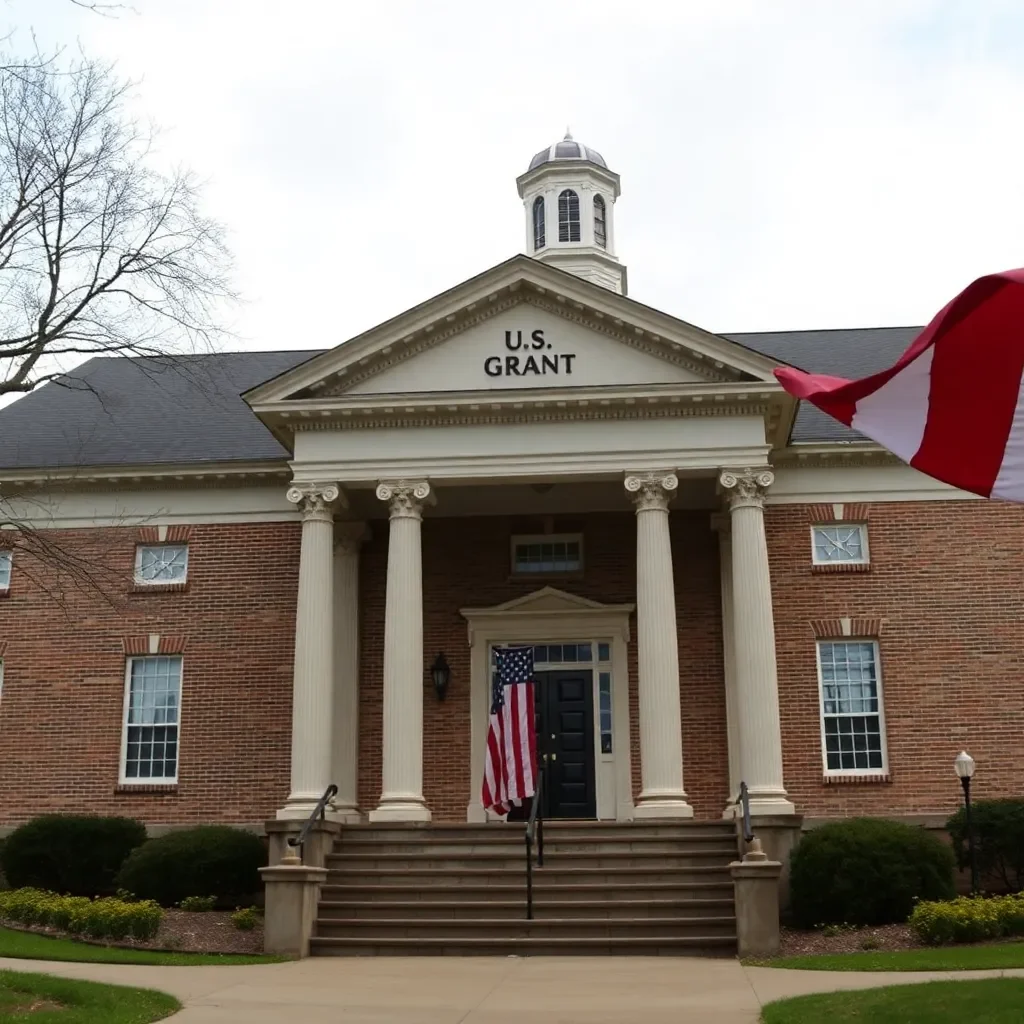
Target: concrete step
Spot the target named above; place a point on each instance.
(446, 873)
(558, 843)
(553, 859)
(513, 833)
(511, 928)
(465, 910)
(634, 945)
(573, 892)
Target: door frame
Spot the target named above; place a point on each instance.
(554, 616)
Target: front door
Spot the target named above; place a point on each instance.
(565, 742)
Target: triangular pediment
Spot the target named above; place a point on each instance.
(547, 600)
(521, 326)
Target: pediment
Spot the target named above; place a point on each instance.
(548, 600)
(521, 326)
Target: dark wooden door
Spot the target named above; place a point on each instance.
(565, 742)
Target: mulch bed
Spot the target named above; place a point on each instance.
(848, 940)
(181, 931)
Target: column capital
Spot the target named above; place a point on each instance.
(745, 488)
(349, 537)
(651, 491)
(316, 501)
(405, 498)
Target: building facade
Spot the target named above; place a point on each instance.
(236, 579)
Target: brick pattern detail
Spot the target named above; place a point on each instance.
(3, 647)
(134, 645)
(853, 780)
(178, 534)
(824, 628)
(840, 567)
(852, 512)
(945, 582)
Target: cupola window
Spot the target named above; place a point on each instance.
(568, 216)
(600, 229)
(538, 223)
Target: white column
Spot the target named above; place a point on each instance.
(757, 687)
(401, 797)
(348, 539)
(720, 523)
(661, 737)
(313, 679)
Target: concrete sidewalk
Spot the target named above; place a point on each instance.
(444, 990)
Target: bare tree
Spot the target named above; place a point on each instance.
(100, 253)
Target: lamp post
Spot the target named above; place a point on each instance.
(441, 674)
(964, 765)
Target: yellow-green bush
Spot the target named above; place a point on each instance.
(968, 919)
(107, 918)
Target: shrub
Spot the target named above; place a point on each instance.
(245, 919)
(968, 919)
(198, 904)
(867, 871)
(998, 842)
(105, 918)
(79, 856)
(196, 862)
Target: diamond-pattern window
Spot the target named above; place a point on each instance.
(840, 543)
(851, 706)
(161, 563)
(151, 720)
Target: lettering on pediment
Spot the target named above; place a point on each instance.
(526, 346)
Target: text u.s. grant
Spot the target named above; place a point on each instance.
(532, 358)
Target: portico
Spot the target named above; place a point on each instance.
(406, 425)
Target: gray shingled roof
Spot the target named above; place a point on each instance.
(149, 411)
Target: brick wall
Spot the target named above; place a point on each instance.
(64, 676)
(466, 564)
(944, 595)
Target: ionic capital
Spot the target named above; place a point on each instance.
(651, 491)
(746, 488)
(316, 501)
(405, 498)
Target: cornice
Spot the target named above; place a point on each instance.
(148, 476)
(837, 455)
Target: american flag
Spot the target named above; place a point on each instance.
(511, 767)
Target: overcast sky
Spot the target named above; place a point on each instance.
(792, 164)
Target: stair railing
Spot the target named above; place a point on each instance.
(319, 813)
(534, 828)
(744, 802)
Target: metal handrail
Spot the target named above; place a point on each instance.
(744, 802)
(318, 812)
(534, 826)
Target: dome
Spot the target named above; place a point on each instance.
(567, 149)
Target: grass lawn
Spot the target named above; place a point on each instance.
(940, 958)
(45, 1000)
(29, 946)
(991, 1001)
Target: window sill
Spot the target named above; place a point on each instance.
(833, 567)
(146, 787)
(159, 588)
(857, 778)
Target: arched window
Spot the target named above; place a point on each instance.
(600, 230)
(538, 223)
(568, 216)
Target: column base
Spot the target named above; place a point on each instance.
(347, 813)
(662, 807)
(763, 804)
(400, 810)
(302, 809)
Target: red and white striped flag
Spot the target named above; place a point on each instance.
(952, 405)
(511, 767)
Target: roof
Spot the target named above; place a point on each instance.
(567, 149)
(139, 411)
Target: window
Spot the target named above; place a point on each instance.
(604, 689)
(538, 223)
(600, 231)
(840, 544)
(533, 556)
(568, 216)
(161, 563)
(151, 716)
(852, 724)
(5, 569)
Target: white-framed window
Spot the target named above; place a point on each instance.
(839, 544)
(600, 226)
(568, 216)
(152, 706)
(547, 554)
(852, 713)
(6, 557)
(538, 223)
(157, 564)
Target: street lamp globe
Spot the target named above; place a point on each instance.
(964, 765)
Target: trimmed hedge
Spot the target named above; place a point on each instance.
(867, 871)
(106, 918)
(75, 855)
(998, 842)
(196, 862)
(968, 919)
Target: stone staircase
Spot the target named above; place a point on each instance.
(605, 888)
